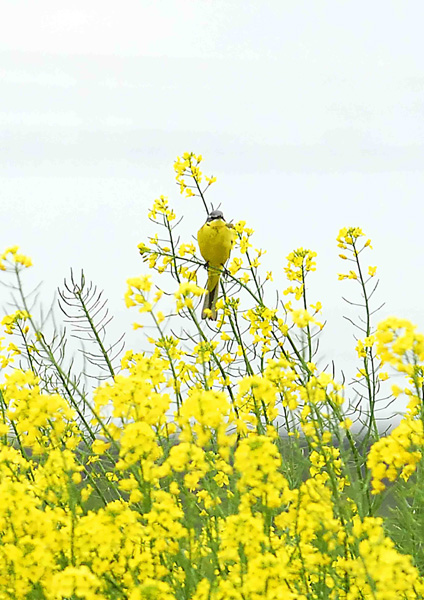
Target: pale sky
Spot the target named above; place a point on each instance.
(310, 113)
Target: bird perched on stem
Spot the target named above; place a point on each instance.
(215, 239)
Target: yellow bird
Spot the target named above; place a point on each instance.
(215, 238)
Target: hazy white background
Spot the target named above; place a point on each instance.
(310, 113)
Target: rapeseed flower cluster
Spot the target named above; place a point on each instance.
(11, 259)
(187, 168)
(206, 513)
(398, 454)
(222, 464)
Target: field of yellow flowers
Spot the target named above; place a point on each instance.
(222, 464)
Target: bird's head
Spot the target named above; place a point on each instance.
(215, 215)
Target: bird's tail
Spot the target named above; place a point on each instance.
(211, 296)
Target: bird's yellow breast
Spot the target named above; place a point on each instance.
(215, 242)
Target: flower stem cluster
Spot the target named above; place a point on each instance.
(220, 464)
